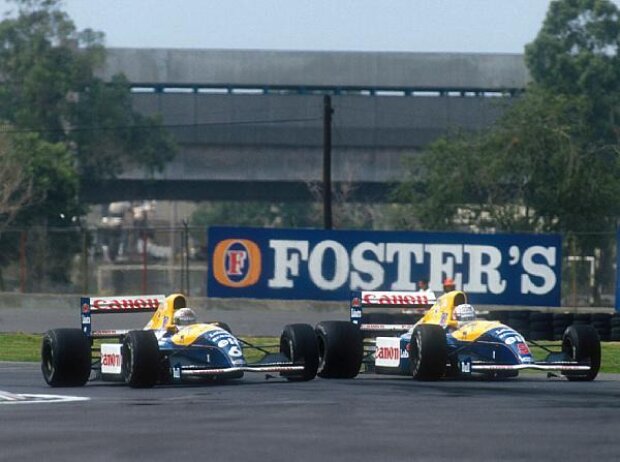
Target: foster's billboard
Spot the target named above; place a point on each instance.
(512, 269)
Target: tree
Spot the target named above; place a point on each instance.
(261, 214)
(576, 52)
(39, 186)
(65, 124)
(537, 170)
(551, 162)
(16, 189)
(49, 87)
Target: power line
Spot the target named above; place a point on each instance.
(5, 129)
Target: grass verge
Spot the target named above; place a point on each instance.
(27, 347)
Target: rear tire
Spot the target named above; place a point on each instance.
(141, 359)
(582, 343)
(428, 351)
(65, 358)
(298, 343)
(340, 349)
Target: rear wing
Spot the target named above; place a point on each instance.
(120, 304)
(409, 305)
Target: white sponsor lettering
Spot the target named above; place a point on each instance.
(443, 258)
(484, 260)
(287, 256)
(341, 265)
(537, 269)
(476, 269)
(402, 253)
(375, 271)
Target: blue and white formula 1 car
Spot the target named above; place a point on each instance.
(448, 340)
(166, 351)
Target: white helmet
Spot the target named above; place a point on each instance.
(184, 317)
(464, 313)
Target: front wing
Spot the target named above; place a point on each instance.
(272, 363)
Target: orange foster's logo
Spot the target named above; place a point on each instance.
(236, 263)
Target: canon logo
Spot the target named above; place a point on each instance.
(112, 360)
(387, 353)
(124, 304)
(395, 299)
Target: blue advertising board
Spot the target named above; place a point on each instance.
(304, 264)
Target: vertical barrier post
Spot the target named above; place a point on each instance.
(22, 261)
(327, 162)
(618, 270)
(84, 260)
(144, 262)
(186, 252)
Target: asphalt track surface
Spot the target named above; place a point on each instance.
(370, 418)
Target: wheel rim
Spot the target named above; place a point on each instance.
(321, 344)
(48, 360)
(127, 361)
(286, 347)
(416, 347)
(569, 348)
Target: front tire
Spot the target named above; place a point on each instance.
(298, 343)
(428, 352)
(141, 359)
(581, 343)
(65, 358)
(340, 349)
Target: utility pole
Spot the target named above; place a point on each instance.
(327, 161)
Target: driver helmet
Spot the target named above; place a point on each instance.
(184, 317)
(448, 285)
(464, 313)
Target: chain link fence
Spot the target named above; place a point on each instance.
(104, 261)
(115, 260)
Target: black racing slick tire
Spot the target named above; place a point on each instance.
(340, 349)
(140, 359)
(65, 358)
(298, 343)
(581, 343)
(428, 352)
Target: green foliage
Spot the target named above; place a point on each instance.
(55, 183)
(346, 215)
(109, 136)
(576, 50)
(551, 162)
(259, 214)
(64, 124)
(49, 87)
(577, 53)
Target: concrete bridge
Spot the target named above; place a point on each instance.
(249, 123)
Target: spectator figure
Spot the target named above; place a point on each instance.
(448, 285)
(423, 285)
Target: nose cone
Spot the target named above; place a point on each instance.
(514, 343)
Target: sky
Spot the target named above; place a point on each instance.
(462, 26)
